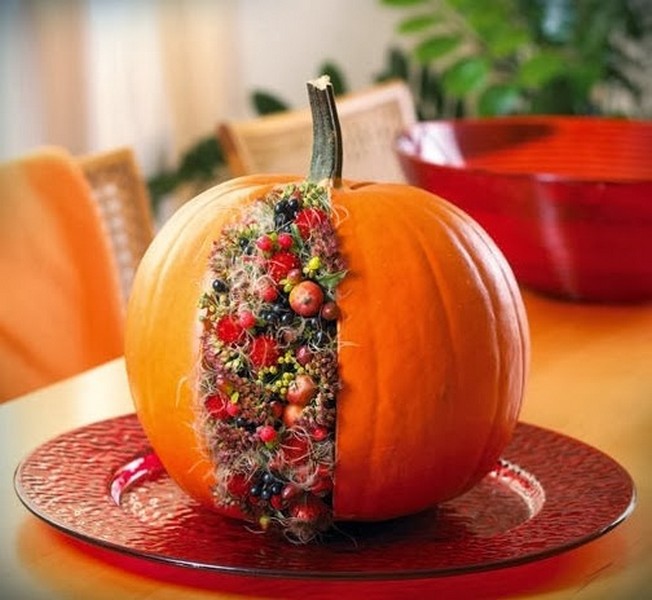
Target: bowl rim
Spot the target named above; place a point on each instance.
(406, 136)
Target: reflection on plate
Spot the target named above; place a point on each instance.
(102, 484)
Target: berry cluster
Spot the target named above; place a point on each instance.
(269, 377)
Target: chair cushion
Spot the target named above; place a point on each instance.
(60, 309)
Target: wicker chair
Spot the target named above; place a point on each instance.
(119, 190)
(281, 143)
(68, 252)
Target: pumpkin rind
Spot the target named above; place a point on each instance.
(433, 346)
(433, 353)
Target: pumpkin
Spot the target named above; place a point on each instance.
(417, 330)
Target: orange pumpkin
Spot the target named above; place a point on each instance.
(432, 340)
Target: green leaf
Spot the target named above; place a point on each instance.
(398, 64)
(331, 280)
(266, 103)
(416, 24)
(499, 100)
(436, 47)
(401, 3)
(201, 160)
(540, 69)
(161, 184)
(506, 40)
(485, 17)
(430, 95)
(465, 76)
(558, 98)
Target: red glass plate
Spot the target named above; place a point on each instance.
(549, 493)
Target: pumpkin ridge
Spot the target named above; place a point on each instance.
(377, 472)
(463, 244)
(357, 265)
(474, 236)
(516, 303)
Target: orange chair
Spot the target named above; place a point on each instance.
(370, 119)
(61, 308)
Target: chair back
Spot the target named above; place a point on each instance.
(370, 120)
(119, 190)
(72, 232)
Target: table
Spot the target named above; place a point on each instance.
(591, 378)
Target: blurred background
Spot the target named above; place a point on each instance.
(158, 75)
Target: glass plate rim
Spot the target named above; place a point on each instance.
(628, 505)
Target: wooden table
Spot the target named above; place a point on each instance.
(591, 378)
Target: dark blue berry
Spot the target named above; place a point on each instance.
(282, 222)
(286, 318)
(219, 286)
(283, 301)
(269, 316)
(321, 338)
(245, 245)
(314, 324)
(256, 490)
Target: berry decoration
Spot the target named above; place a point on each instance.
(270, 391)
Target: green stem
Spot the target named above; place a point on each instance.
(326, 161)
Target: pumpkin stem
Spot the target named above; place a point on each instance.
(326, 161)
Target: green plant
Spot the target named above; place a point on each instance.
(467, 57)
(517, 56)
(201, 164)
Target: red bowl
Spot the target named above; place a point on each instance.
(567, 199)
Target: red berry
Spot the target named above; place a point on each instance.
(323, 482)
(281, 263)
(233, 409)
(330, 311)
(246, 319)
(268, 293)
(291, 414)
(295, 449)
(229, 329)
(264, 351)
(290, 491)
(265, 243)
(309, 509)
(319, 433)
(216, 405)
(238, 485)
(308, 219)
(303, 355)
(301, 389)
(294, 276)
(267, 433)
(285, 240)
(276, 409)
(277, 502)
(306, 298)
